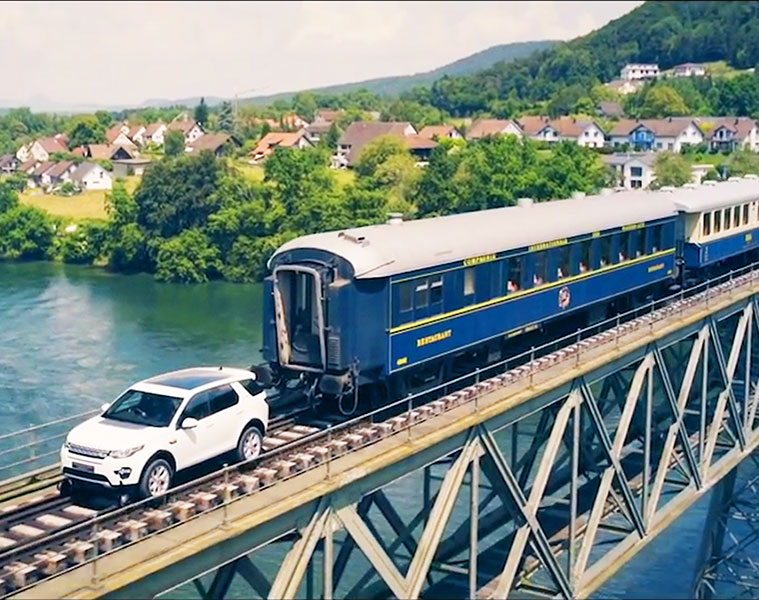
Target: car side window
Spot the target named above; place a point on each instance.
(221, 398)
(252, 387)
(197, 407)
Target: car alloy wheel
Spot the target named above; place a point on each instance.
(251, 444)
(159, 479)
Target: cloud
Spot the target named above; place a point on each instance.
(125, 52)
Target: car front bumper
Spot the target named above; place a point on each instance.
(107, 472)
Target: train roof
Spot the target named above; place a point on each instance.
(390, 249)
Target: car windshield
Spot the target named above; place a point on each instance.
(143, 408)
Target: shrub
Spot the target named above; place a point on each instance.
(187, 258)
(26, 232)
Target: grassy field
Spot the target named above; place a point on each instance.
(87, 205)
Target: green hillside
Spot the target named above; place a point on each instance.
(668, 33)
(392, 86)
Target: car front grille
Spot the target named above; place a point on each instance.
(85, 451)
(85, 475)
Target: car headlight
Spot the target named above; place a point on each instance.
(125, 453)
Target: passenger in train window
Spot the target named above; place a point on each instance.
(537, 280)
(512, 287)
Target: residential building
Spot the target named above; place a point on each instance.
(59, 173)
(27, 167)
(440, 132)
(611, 110)
(124, 167)
(625, 86)
(637, 71)
(486, 127)
(419, 147)
(291, 121)
(584, 132)
(154, 133)
(35, 177)
(109, 151)
(8, 163)
(218, 143)
(734, 133)
(689, 70)
(278, 139)
(326, 115)
(656, 134)
(91, 176)
(315, 132)
(360, 133)
(189, 128)
(137, 134)
(633, 170)
(117, 131)
(42, 149)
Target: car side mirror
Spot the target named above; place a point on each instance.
(104, 407)
(189, 423)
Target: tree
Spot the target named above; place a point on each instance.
(187, 258)
(663, 101)
(173, 143)
(85, 130)
(104, 118)
(742, 162)
(201, 112)
(119, 204)
(304, 104)
(179, 194)
(8, 197)
(26, 232)
(226, 117)
(671, 169)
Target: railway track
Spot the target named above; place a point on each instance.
(292, 448)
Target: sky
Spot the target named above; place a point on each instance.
(121, 53)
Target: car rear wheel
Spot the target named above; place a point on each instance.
(156, 478)
(250, 444)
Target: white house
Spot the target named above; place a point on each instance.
(154, 133)
(633, 71)
(634, 171)
(689, 70)
(441, 131)
(487, 127)
(732, 133)
(137, 134)
(672, 133)
(189, 128)
(42, 149)
(583, 132)
(60, 172)
(538, 127)
(91, 176)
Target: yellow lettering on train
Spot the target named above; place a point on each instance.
(658, 267)
(435, 337)
(401, 361)
(749, 237)
(545, 245)
(633, 226)
(477, 260)
(596, 234)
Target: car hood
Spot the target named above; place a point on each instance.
(107, 434)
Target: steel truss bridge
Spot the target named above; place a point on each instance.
(537, 477)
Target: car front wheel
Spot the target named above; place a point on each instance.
(156, 478)
(250, 444)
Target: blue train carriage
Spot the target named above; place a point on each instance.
(379, 303)
(720, 225)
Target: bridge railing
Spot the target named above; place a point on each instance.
(355, 435)
(37, 447)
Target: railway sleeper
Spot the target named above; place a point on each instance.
(108, 539)
(249, 483)
(265, 475)
(302, 460)
(132, 529)
(53, 521)
(81, 512)
(80, 551)
(182, 509)
(21, 574)
(204, 500)
(157, 519)
(227, 491)
(50, 561)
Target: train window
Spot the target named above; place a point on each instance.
(514, 274)
(640, 242)
(736, 216)
(563, 265)
(405, 296)
(745, 214)
(584, 262)
(606, 255)
(717, 221)
(469, 281)
(726, 220)
(422, 294)
(707, 223)
(656, 238)
(540, 268)
(436, 289)
(624, 246)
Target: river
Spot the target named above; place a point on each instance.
(72, 338)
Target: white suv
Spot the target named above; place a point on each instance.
(165, 424)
